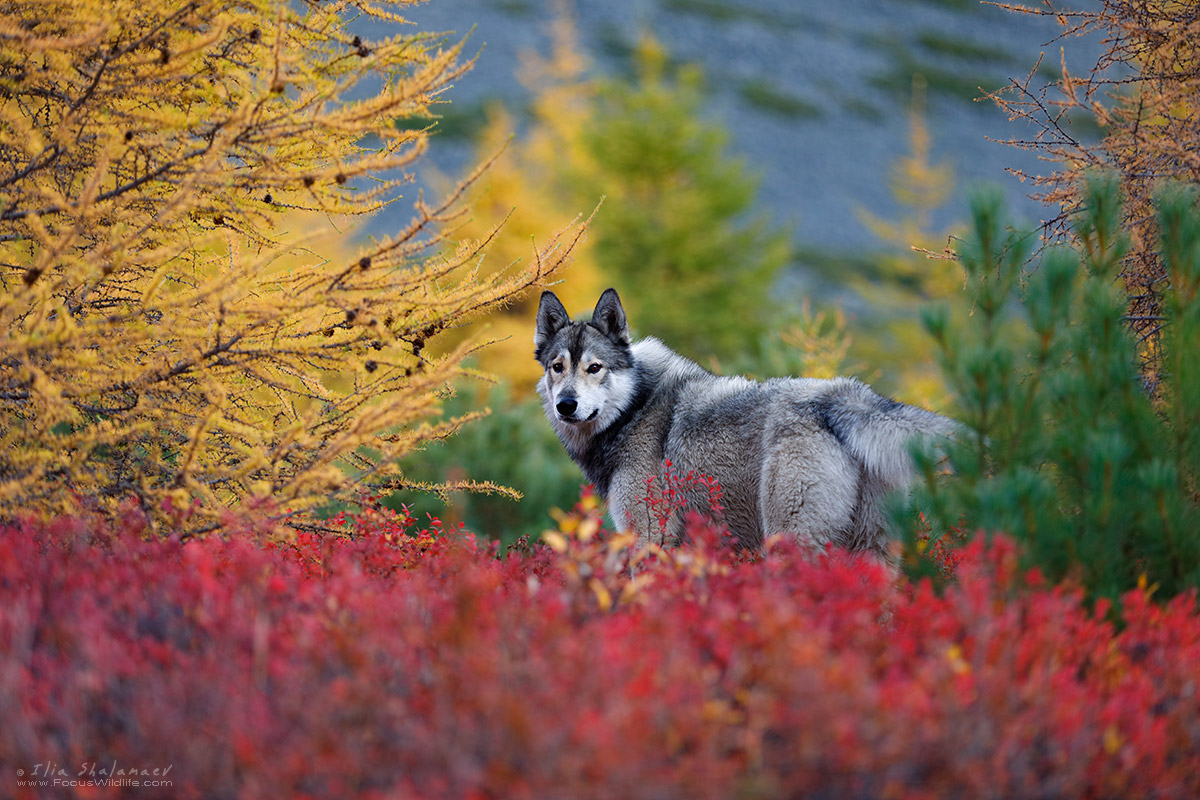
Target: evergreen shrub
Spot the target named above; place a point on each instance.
(1064, 447)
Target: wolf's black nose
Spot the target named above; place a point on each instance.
(566, 407)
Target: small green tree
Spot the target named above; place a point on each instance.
(512, 446)
(1063, 448)
(674, 232)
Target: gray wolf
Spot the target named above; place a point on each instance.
(808, 457)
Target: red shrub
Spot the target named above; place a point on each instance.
(418, 663)
(674, 492)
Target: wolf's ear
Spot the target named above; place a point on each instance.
(609, 317)
(551, 318)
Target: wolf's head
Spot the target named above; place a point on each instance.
(589, 367)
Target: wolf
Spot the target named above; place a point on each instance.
(807, 457)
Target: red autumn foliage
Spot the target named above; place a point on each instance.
(674, 491)
(419, 663)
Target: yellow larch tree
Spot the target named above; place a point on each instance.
(919, 265)
(174, 331)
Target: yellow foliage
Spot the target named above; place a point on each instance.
(1144, 95)
(519, 190)
(922, 266)
(821, 340)
(181, 323)
(919, 186)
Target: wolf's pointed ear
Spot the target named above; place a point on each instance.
(609, 317)
(551, 318)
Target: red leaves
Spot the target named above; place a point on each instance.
(673, 493)
(417, 663)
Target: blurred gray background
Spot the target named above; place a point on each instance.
(815, 94)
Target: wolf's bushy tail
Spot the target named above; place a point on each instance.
(879, 431)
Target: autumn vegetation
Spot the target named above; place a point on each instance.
(1142, 93)
(413, 661)
(173, 330)
(217, 400)
(1066, 451)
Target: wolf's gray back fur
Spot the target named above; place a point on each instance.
(809, 457)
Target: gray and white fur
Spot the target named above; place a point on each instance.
(808, 457)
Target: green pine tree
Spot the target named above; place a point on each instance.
(1064, 449)
(674, 233)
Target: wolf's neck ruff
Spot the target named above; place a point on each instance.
(596, 456)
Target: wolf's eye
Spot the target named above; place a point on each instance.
(557, 366)
(594, 368)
